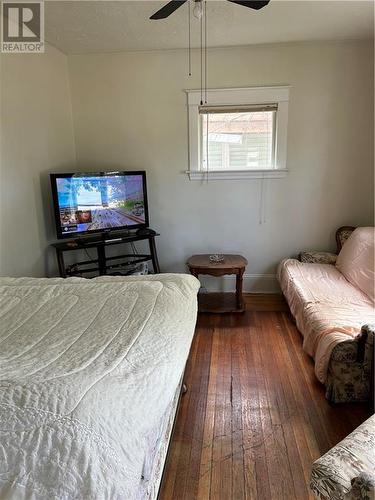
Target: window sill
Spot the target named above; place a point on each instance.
(200, 175)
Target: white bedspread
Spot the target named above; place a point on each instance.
(88, 369)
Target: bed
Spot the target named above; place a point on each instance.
(90, 375)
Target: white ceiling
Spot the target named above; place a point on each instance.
(107, 26)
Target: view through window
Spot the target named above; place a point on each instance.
(238, 139)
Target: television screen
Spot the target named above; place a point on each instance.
(97, 202)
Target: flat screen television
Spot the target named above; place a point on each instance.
(88, 203)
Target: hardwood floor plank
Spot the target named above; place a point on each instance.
(205, 466)
(226, 459)
(303, 430)
(221, 480)
(295, 426)
(308, 387)
(279, 471)
(204, 358)
(238, 476)
(178, 454)
(184, 479)
(254, 417)
(256, 432)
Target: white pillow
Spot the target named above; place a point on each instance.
(356, 260)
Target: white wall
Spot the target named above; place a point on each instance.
(36, 138)
(130, 112)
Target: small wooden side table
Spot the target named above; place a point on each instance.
(219, 302)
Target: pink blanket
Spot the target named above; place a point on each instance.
(328, 309)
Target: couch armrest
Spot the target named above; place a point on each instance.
(363, 487)
(354, 350)
(313, 257)
(351, 460)
(365, 337)
(351, 369)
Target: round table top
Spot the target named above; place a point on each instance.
(203, 261)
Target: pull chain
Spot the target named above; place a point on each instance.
(189, 29)
(201, 21)
(205, 51)
(207, 129)
(205, 86)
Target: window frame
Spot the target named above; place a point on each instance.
(278, 95)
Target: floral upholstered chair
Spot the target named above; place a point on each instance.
(347, 471)
(342, 234)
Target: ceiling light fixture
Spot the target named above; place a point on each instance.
(200, 13)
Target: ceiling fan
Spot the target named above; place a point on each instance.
(170, 7)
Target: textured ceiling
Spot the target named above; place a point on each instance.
(107, 26)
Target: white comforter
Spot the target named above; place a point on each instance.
(88, 369)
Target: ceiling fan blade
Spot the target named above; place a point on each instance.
(254, 4)
(168, 9)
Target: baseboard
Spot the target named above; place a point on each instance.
(252, 283)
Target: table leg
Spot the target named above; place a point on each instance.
(101, 260)
(154, 255)
(61, 263)
(239, 284)
(194, 273)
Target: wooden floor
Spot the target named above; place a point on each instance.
(254, 417)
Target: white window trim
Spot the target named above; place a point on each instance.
(239, 96)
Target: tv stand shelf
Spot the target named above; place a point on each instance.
(104, 264)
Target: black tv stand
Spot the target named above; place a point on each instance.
(146, 232)
(109, 235)
(104, 264)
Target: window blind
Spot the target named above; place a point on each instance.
(208, 110)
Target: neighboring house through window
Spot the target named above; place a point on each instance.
(240, 133)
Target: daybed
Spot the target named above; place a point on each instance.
(90, 372)
(347, 471)
(333, 305)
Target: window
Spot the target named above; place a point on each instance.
(238, 139)
(241, 133)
